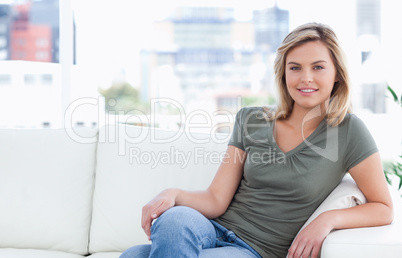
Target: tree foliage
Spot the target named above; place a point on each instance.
(121, 97)
(394, 168)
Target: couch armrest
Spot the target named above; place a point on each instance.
(385, 241)
(370, 242)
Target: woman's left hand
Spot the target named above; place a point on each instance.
(309, 240)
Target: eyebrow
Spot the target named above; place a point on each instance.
(313, 63)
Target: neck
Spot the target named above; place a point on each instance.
(308, 119)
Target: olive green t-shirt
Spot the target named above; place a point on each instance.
(279, 191)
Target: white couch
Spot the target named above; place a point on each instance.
(79, 192)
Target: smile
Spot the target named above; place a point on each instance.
(307, 90)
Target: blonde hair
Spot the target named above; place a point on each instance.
(339, 104)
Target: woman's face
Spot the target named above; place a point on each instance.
(310, 74)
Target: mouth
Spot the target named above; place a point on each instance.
(307, 90)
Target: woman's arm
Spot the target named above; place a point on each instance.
(378, 210)
(212, 202)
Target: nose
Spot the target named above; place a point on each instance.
(307, 77)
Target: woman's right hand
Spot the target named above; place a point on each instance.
(158, 205)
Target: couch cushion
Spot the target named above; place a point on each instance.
(105, 255)
(136, 163)
(46, 188)
(30, 253)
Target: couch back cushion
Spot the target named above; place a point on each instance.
(46, 187)
(136, 163)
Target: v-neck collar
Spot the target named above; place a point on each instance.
(271, 138)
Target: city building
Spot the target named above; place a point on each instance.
(372, 88)
(271, 27)
(29, 94)
(47, 13)
(5, 22)
(205, 59)
(29, 30)
(30, 42)
(30, 74)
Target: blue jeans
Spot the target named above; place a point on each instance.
(184, 232)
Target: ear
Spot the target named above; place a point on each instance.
(336, 79)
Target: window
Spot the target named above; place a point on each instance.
(3, 42)
(30, 79)
(3, 28)
(5, 79)
(47, 79)
(3, 54)
(38, 79)
(20, 42)
(42, 55)
(204, 57)
(199, 55)
(42, 42)
(19, 55)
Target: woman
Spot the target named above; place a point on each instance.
(280, 165)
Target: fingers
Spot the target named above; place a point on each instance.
(149, 213)
(315, 252)
(153, 210)
(304, 250)
(300, 252)
(309, 241)
(159, 210)
(295, 250)
(146, 222)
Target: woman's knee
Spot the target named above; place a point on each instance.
(183, 222)
(177, 217)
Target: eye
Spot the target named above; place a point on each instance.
(318, 67)
(294, 68)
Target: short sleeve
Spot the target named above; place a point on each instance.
(360, 142)
(237, 135)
